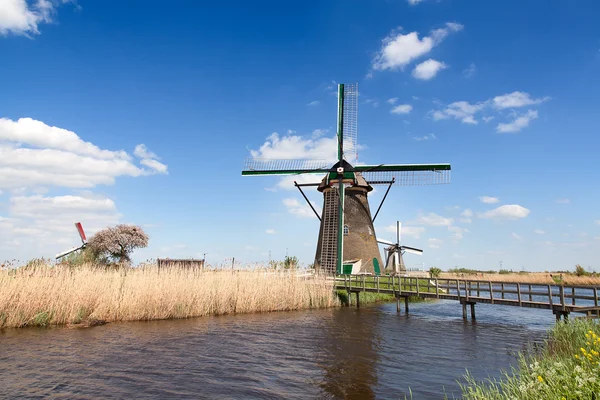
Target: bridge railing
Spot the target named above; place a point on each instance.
(553, 296)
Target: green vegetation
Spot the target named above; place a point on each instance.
(435, 272)
(567, 366)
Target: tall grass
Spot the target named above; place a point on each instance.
(566, 367)
(47, 295)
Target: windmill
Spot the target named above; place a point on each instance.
(346, 232)
(394, 260)
(74, 249)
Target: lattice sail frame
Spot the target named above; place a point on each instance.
(350, 126)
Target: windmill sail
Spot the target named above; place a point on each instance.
(350, 123)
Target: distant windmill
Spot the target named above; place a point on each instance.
(74, 249)
(347, 231)
(394, 253)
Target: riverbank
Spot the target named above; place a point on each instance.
(548, 278)
(566, 366)
(90, 295)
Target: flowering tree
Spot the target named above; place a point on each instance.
(117, 243)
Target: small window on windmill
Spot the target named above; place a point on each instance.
(346, 230)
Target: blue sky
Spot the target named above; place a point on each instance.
(144, 114)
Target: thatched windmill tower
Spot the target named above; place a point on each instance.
(347, 241)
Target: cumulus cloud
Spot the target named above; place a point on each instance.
(35, 154)
(43, 225)
(314, 103)
(563, 201)
(434, 243)
(467, 112)
(398, 50)
(433, 219)
(393, 100)
(510, 211)
(516, 236)
(296, 147)
(414, 2)
(430, 136)
(539, 232)
(299, 209)
(470, 71)
(466, 216)
(20, 18)
(518, 123)
(489, 200)
(409, 231)
(402, 109)
(460, 110)
(270, 231)
(428, 69)
(516, 99)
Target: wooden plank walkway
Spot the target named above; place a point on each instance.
(561, 299)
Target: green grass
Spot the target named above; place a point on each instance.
(566, 366)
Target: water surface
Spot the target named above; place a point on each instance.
(339, 353)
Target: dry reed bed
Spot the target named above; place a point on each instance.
(531, 277)
(55, 296)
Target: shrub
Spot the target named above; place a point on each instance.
(504, 272)
(580, 271)
(435, 272)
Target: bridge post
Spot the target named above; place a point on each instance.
(398, 304)
(357, 299)
(464, 307)
(472, 311)
(406, 304)
(349, 297)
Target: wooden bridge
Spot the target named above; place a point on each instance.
(561, 299)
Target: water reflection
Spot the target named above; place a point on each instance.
(350, 354)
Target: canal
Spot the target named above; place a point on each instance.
(368, 353)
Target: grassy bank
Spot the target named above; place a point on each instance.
(566, 367)
(88, 294)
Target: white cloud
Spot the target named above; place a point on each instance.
(287, 182)
(43, 225)
(295, 147)
(470, 71)
(489, 200)
(457, 232)
(399, 50)
(141, 151)
(317, 133)
(314, 103)
(35, 154)
(431, 136)
(409, 231)
(373, 102)
(434, 243)
(414, 2)
(516, 236)
(518, 123)
(433, 219)
(270, 231)
(597, 222)
(154, 165)
(296, 208)
(402, 109)
(539, 232)
(563, 201)
(516, 99)
(393, 100)
(466, 112)
(19, 18)
(512, 211)
(460, 110)
(466, 216)
(428, 69)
